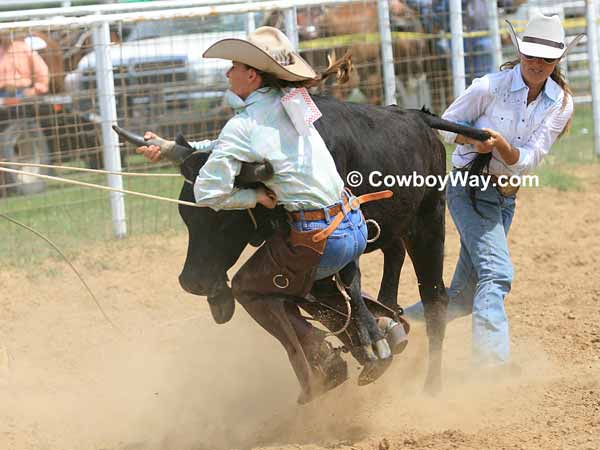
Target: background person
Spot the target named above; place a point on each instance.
(435, 17)
(23, 73)
(525, 107)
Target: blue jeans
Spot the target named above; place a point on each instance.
(18, 93)
(344, 245)
(484, 271)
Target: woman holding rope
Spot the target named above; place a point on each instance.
(525, 107)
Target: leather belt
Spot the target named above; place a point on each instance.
(337, 212)
(505, 190)
(355, 202)
(312, 215)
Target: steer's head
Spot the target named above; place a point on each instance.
(216, 241)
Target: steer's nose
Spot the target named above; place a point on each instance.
(192, 284)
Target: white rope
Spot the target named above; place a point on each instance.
(252, 218)
(98, 186)
(106, 188)
(81, 169)
(340, 286)
(55, 247)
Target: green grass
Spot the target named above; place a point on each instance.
(73, 216)
(559, 180)
(574, 149)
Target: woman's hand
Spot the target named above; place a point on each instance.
(509, 154)
(150, 152)
(496, 140)
(266, 197)
(461, 140)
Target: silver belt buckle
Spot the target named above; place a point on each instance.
(351, 203)
(508, 191)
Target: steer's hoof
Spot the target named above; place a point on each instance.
(433, 386)
(222, 307)
(373, 370)
(395, 334)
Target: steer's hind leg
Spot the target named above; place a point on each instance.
(377, 351)
(426, 249)
(393, 259)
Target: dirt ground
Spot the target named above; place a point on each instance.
(174, 380)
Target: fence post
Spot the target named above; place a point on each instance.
(458, 49)
(387, 53)
(250, 22)
(291, 26)
(494, 26)
(594, 67)
(108, 112)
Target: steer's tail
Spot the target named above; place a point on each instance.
(440, 124)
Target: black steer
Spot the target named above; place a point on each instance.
(361, 138)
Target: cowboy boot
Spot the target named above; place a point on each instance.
(328, 367)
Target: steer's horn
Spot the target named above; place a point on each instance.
(177, 153)
(169, 149)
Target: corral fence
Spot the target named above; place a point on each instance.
(140, 65)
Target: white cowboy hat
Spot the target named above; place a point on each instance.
(543, 37)
(266, 49)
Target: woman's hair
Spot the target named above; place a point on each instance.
(559, 78)
(341, 68)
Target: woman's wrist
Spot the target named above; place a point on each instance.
(462, 140)
(509, 154)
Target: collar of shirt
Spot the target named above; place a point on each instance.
(235, 102)
(551, 89)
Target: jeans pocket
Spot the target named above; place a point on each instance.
(362, 237)
(337, 250)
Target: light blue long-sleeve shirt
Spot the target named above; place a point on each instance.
(305, 174)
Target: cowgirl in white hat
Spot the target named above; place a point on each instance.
(525, 107)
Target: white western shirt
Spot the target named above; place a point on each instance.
(499, 101)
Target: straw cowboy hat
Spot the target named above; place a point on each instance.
(266, 49)
(543, 37)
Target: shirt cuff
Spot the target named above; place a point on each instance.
(520, 166)
(242, 199)
(205, 146)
